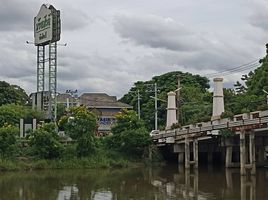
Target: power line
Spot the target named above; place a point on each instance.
(239, 68)
(236, 71)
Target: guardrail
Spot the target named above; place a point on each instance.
(233, 125)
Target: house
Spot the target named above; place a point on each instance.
(105, 107)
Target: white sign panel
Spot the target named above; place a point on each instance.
(43, 26)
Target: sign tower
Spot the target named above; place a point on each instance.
(47, 30)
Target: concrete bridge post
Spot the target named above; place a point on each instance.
(195, 153)
(180, 158)
(242, 152)
(252, 155)
(228, 156)
(187, 153)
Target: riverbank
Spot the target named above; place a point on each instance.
(98, 160)
(75, 163)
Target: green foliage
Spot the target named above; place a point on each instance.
(193, 91)
(227, 114)
(86, 145)
(81, 125)
(226, 133)
(61, 111)
(239, 88)
(8, 140)
(262, 107)
(12, 94)
(12, 113)
(45, 142)
(127, 120)
(79, 122)
(176, 125)
(129, 135)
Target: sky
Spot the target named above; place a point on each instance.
(111, 44)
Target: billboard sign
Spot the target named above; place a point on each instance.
(47, 25)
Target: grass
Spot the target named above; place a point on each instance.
(94, 161)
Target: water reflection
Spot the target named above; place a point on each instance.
(157, 183)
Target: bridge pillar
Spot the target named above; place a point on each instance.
(247, 153)
(195, 153)
(228, 156)
(187, 154)
(242, 152)
(252, 154)
(180, 158)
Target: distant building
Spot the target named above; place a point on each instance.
(104, 106)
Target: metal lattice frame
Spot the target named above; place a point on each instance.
(40, 68)
(53, 79)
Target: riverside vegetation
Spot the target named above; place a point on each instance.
(129, 141)
(42, 148)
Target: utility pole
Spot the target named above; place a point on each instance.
(155, 106)
(139, 106)
(178, 98)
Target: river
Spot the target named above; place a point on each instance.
(156, 183)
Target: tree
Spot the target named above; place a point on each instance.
(129, 135)
(12, 94)
(194, 89)
(257, 80)
(78, 122)
(12, 113)
(45, 142)
(81, 125)
(8, 140)
(239, 88)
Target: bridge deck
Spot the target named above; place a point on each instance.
(210, 127)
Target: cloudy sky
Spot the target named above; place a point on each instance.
(114, 43)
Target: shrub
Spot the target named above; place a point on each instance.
(8, 140)
(86, 145)
(45, 144)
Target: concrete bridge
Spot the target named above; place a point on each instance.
(246, 145)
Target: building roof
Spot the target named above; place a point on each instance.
(62, 98)
(101, 100)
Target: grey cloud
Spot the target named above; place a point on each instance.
(259, 16)
(73, 19)
(157, 32)
(17, 15)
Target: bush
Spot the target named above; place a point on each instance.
(86, 145)
(129, 135)
(81, 125)
(8, 140)
(226, 133)
(45, 144)
(227, 114)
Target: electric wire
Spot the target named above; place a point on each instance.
(240, 68)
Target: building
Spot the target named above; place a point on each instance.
(105, 107)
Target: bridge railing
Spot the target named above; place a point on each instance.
(214, 125)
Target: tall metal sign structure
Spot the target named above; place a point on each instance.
(47, 30)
